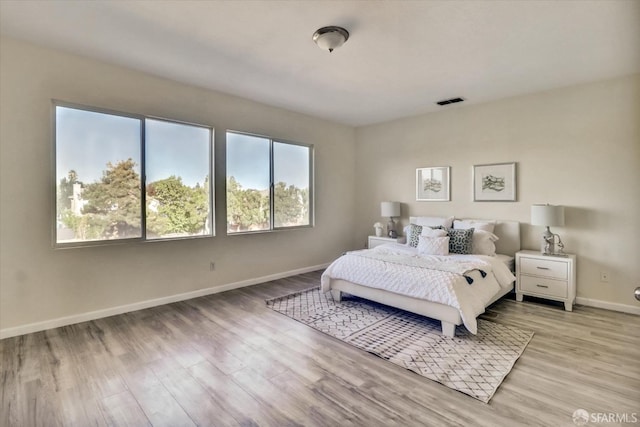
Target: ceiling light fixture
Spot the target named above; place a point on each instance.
(330, 38)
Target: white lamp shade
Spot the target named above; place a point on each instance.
(390, 209)
(547, 215)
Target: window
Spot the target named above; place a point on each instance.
(177, 171)
(104, 160)
(269, 184)
(291, 177)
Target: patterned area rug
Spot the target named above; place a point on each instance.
(472, 364)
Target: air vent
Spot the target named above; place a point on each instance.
(449, 101)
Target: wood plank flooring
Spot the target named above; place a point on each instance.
(227, 360)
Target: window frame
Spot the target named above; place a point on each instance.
(311, 164)
(55, 103)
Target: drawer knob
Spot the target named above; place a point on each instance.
(542, 268)
(542, 286)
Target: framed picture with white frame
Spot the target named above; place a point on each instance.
(433, 184)
(494, 182)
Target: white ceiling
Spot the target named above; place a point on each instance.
(401, 58)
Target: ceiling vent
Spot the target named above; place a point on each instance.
(449, 101)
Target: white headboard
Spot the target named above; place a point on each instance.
(509, 237)
(508, 233)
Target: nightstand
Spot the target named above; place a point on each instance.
(376, 241)
(546, 276)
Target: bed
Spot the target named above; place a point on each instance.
(386, 264)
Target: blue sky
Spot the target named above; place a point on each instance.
(248, 162)
(86, 141)
(177, 149)
(291, 164)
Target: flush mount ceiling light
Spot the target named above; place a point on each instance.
(330, 38)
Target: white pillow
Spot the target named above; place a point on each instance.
(405, 231)
(483, 243)
(433, 245)
(414, 231)
(486, 225)
(433, 232)
(432, 221)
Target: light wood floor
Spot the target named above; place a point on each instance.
(226, 359)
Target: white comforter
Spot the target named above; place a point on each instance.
(412, 279)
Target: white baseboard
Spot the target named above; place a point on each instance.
(614, 306)
(98, 314)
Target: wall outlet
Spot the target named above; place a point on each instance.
(604, 276)
(212, 266)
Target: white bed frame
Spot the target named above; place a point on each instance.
(508, 244)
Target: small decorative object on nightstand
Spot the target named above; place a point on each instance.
(376, 241)
(547, 277)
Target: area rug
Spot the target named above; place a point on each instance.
(472, 364)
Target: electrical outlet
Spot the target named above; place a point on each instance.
(604, 276)
(212, 266)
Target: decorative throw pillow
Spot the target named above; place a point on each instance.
(460, 241)
(483, 243)
(433, 245)
(434, 232)
(413, 235)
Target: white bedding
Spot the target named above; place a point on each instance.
(413, 280)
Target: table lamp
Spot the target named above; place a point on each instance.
(547, 216)
(391, 210)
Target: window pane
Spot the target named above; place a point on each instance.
(177, 164)
(97, 176)
(248, 181)
(291, 185)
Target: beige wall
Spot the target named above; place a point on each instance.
(578, 147)
(38, 283)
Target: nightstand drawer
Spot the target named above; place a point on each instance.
(543, 267)
(539, 285)
(377, 241)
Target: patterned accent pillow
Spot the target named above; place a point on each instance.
(414, 235)
(460, 241)
(433, 245)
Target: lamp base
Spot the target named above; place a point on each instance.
(547, 244)
(391, 228)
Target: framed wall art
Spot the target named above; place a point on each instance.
(494, 183)
(433, 184)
